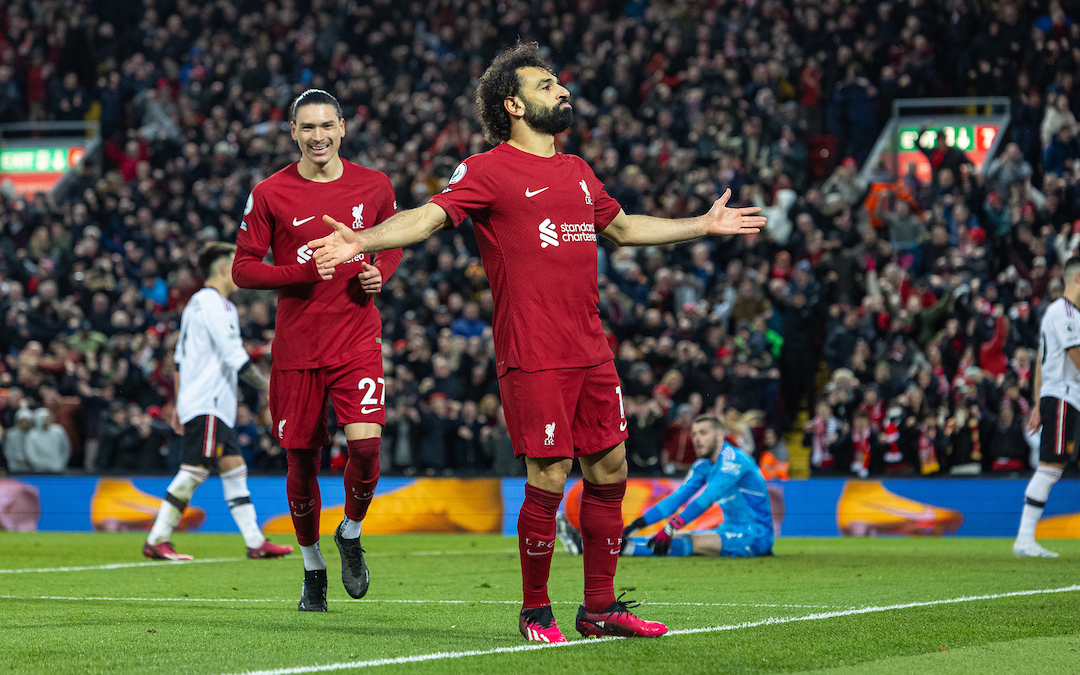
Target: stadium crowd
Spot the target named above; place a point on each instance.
(921, 303)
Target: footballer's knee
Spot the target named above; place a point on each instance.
(548, 473)
(184, 484)
(230, 462)
(606, 466)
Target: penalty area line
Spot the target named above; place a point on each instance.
(772, 621)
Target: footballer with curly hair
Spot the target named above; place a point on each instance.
(536, 213)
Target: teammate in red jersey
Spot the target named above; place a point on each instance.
(536, 213)
(327, 338)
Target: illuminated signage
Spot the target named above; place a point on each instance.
(32, 170)
(38, 160)
(974, 140)
(980, 137)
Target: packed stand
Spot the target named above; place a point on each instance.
(920, 302)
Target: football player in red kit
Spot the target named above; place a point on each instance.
(536, 213)
(328, 334)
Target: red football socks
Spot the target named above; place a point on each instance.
(361, 476)
(536, 541)
(601, 539)
(302, 488)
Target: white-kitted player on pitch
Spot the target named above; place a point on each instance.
(209, 357)
(1057, 381)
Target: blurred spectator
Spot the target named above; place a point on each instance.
(647, 427)
(48, 447)
(436, 430)
(1008, 170)
(1008, 447)
(469, 325)
(677, 451)
(15, 442)
(495, 441)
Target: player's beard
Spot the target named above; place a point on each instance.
(550, 121)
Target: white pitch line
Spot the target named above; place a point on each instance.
(116, 566)
(107, 599)
(99, 598)
(772, 621)
(152, 563)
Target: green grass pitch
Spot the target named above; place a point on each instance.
(448, 604)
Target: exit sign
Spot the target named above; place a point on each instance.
(39, 160)
(974, 140)
(977, 137)
(32, 170)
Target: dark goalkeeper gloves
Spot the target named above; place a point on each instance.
(633, 527)
(661, 541)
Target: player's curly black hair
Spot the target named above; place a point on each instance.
(501, 80)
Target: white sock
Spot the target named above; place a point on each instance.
(238, 497)
(1035, 496)
(167, 518)
(313, 559)
(351, 529)
(178, 494)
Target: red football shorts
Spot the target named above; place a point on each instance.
(298, 399)
(567, 412)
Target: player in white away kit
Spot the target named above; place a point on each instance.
(1057, 379)
(209, 356)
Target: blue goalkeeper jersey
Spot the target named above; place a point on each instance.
(733, 481)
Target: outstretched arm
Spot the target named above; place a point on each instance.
(693, 482)
(399, 231)
(627, 230)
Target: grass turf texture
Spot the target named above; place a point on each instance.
(151, 618)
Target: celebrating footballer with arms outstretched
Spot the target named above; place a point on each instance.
(328, 333)
(536, 213)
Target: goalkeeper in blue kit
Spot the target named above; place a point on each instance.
(723, 474)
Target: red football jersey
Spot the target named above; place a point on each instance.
(319, 323)
(536, 220)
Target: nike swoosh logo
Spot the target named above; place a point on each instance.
(298, 223)
(533, 193)
(614, 551)
(537, 552)
(368, 411)
(622, 426)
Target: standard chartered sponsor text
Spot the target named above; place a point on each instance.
(578, 232)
